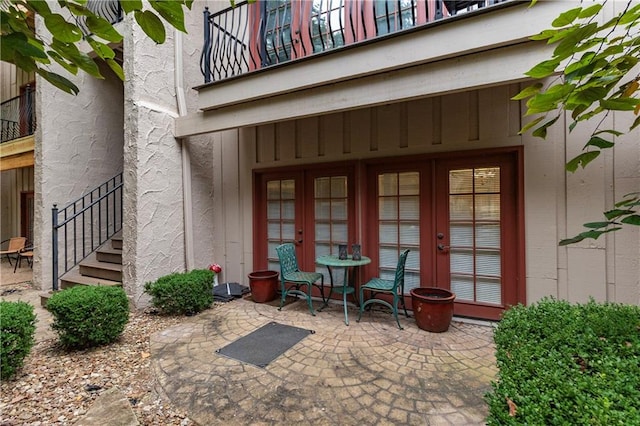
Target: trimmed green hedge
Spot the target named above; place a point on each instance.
(182, 293)
(87, 316)
(562, 363)
(17, 330)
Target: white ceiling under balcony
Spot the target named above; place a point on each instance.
(468, 52)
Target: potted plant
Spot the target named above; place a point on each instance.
(263, 285)
(432, 308)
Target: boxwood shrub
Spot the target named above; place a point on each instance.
(17, 329)
(562, 363)
(182, 293)
(87, 316)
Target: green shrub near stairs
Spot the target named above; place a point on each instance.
(88, 316)
(182, 293)
(17, 329)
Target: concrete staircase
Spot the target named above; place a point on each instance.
(102, 267)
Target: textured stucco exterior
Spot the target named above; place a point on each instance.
(79, 142)
(154, 234)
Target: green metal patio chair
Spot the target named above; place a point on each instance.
(290, 273)
(394, 287)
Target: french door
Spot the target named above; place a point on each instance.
(314, 209)
(478, 234)
(460, 217)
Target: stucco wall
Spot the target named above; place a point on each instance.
(153, 234)
(78, 146)
(556, 203)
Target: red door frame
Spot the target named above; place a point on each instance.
(304, 177)
(511, 235)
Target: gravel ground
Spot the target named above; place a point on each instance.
(56, 387)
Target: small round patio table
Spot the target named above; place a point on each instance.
(332, 261)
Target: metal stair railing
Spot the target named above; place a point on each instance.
(83, 225)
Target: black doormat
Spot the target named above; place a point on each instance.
(267, 343)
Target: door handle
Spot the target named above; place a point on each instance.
(443, 248)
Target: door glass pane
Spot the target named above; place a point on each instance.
(474, 229)
(330, 215)
(280, 213)
(399, 225)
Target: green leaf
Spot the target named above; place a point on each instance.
(88, 65)
(25, 63)
(171, 11)
(77, 9)
(582, 160)
(102, 28)
(631, 220)
(541, 131)
(151, 25)
(72, 68)
(59, 81)
(566, 18)
(131, 5)
(590, 11)
(543, 69)
(581, 236)
(615, 213)
(636, 123)
(609, 131)
(115, 67)
(599, 142)
(620, 104)
(573, 240)
(528, 92)
(548, 100)
(544, 35)
(19, 42)
(41, 7)
(102, 50)
(531, 124)
(61, 29)
(596, 225)
(587, 96)
(567, 46)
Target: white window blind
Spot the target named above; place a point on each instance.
(474, 227)
(398, 225)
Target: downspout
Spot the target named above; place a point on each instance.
(186, 159)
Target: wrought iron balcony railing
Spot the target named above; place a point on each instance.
(111, 10)
(18, 116)
(252, 36)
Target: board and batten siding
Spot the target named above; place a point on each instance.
(474, 120)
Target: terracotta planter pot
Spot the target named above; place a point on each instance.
(432, 308)
(263, 285)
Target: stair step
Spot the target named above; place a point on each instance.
(91, 267)
(109, 254)
(44, 298)
(73, 278)
(116, 241)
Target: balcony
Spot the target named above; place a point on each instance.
(111, 10)
(17, 116)
(251, 37)
(265, 66)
